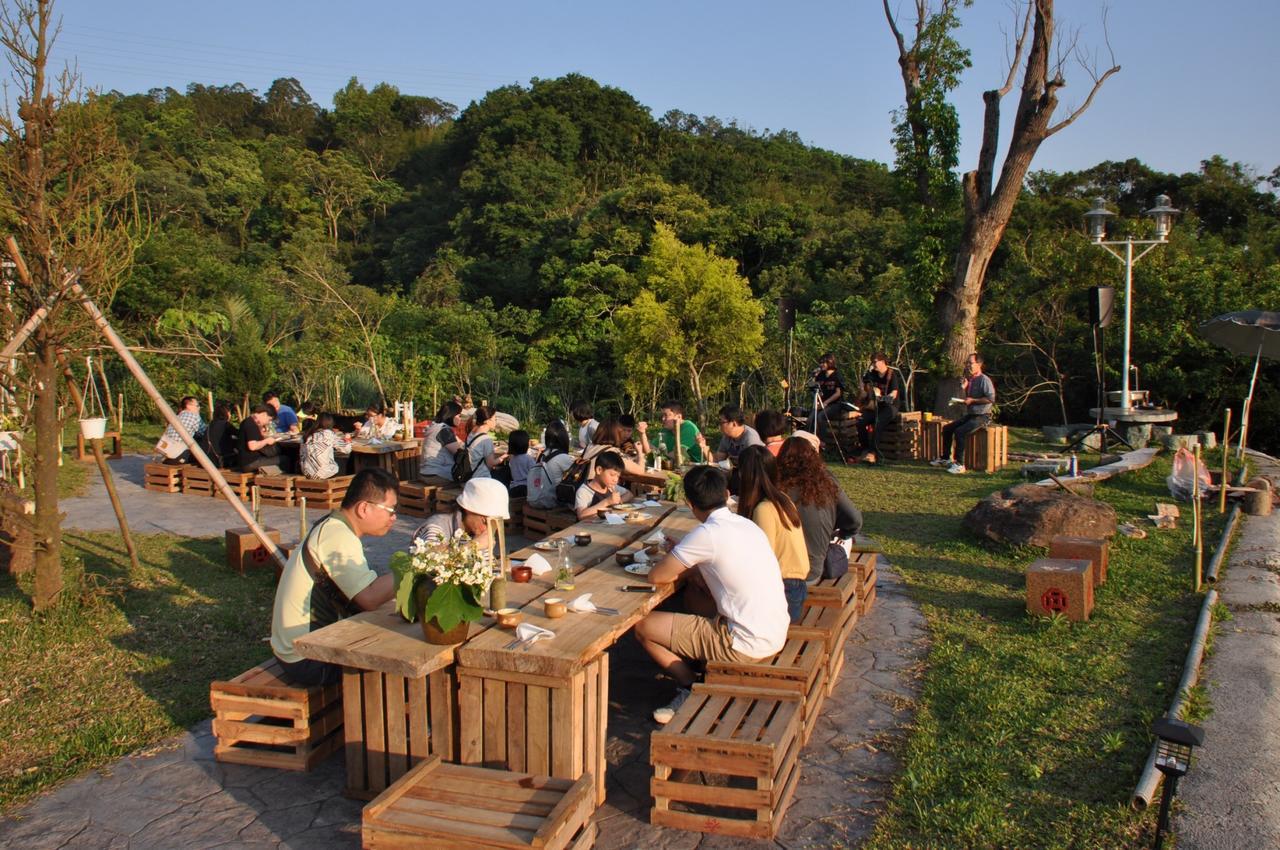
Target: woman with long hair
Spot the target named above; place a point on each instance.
(440, 443)
(610, 434)
(325, 452)
(762, 500)
(551, 466)
(826, 514)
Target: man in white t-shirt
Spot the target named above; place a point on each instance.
(735, 560)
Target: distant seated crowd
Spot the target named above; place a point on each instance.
(324, 450)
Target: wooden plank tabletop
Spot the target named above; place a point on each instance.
(378, 640)
(362, 447)
(579, 637)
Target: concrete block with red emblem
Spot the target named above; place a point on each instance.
(245, 551)
(1060, 586)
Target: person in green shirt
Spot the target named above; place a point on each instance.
(673, 422)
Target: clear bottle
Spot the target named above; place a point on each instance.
(564, 570)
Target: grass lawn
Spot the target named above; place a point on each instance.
(1029, 732)
(125, 661)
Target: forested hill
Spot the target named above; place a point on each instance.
(556, 240)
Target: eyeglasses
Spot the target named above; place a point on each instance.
(382, 507)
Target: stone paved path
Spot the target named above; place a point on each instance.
(177, 796)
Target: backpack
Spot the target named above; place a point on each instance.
(580, 473)
(462, 470)
(541, 492)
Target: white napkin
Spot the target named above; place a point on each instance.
(583, 604)
(614, 519)
(955, 400)
(654, 538)
(640, 557)
(650, 503)
(532, 633)
(538, 564)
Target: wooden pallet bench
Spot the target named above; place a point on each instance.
(262, 721)
(799, 671)
(275, 490)
(418, 498)
(323, 494)
(197, 482)
(84, 452)
(866, 583)
(987, 449)
(438, 805)
(902, 440)
(539, 522)
(750, 740)
(162, 478)
(516, 520)
(832, 626)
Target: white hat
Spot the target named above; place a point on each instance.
(810, 437)
(486, 497)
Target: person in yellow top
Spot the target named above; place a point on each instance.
(762, 499)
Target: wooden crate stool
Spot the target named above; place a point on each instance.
(834, 592)
(323, 494)
(832, 626)
(516, 522)
(901, 440)
(866, 567)
(417, 498)
(241, 483)
(244, 551)
(447, 497)
(438, 805)
(752, 740)
(84, 452)
(275, 490)
(931, 438)
(197, 482)
(260, 720)
(799, 670)
(987, 449)
(539, 522)
(1091, 549)
(539, 724)
(162, 478)
(1060, 586)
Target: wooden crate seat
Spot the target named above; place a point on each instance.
(832, 626)
(834, 592)
(162, 478)
(260, 720)
(241, 483)
(516, 520)
(987, 449)
(902, 440)
(1060, 586)
(323, 494)
(416, 499)
(752, 741)
(799, 670)
(197, 482)
(1092, 549)
(539, 522)
(275, 490)
(866, 567)
(439, 805)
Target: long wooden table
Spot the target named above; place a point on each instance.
(544, 709)
(400, 692)
(398, 456)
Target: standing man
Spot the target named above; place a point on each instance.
(884, 384)
(328, 577)
(286, 418)
(734, 558)
(979, 397)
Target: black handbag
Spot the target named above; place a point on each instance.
(836, 563)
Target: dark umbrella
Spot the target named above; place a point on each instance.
(1253, 333)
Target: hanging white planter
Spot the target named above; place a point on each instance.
(94, 429)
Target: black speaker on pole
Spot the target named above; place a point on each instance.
(786, 313)
(1101, 303)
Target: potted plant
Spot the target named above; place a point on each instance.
(443, 585)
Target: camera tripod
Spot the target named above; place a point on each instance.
(1106, 433)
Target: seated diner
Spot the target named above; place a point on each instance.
(603, 490)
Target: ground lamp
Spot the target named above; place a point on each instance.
(1174, 742)
(1163, 214)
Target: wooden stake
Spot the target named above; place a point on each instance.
(171, 418)
(120, 414)
(106, 390)
(302, 518)
(210, 394)
(1226, 462)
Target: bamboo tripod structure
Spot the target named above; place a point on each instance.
(71, 287)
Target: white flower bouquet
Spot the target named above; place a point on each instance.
(458, 571)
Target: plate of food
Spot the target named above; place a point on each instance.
(545, 546)
(638, 569)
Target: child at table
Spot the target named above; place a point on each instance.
(603, 491)
(520, 462)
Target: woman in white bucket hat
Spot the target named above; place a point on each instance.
(481, 499)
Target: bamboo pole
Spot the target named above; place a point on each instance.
(1197, 512)
(120, 414)
(104, 470)
(1226, 461)
(302, 518)
(106, 391)
(171, 418)
(210, 395)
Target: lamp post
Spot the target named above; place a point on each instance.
(1175, 740)
(1096, 217)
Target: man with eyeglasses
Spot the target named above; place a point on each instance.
(328, 577)
(735, 434)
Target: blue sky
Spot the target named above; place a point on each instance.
(1196, 80)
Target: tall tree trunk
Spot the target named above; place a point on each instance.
(48, 522)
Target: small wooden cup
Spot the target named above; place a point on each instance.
(521, 574)
(554, 608)
(625, 559)
(508, 618)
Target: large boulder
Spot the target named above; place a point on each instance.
(1031, 514)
